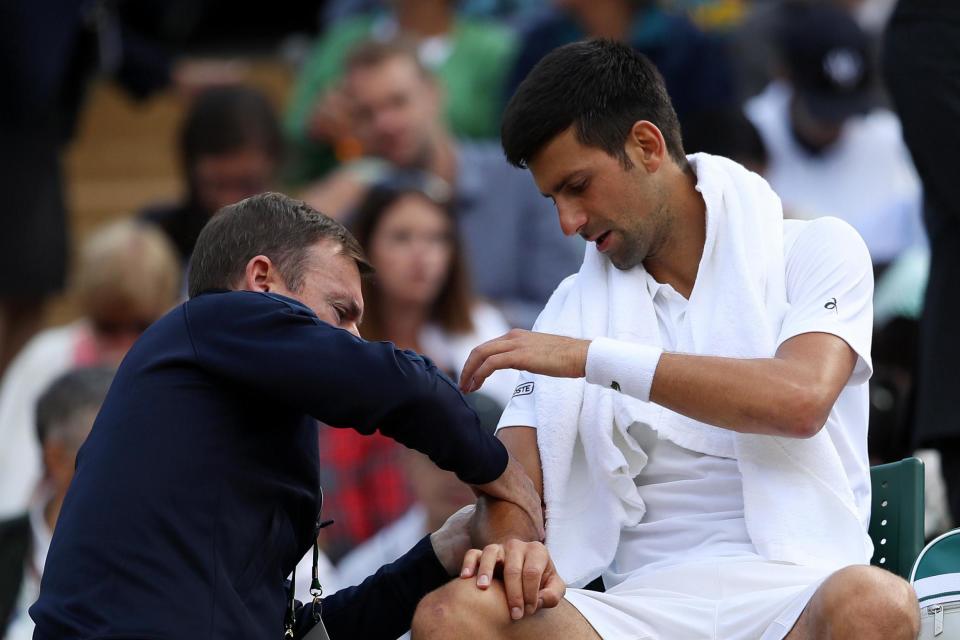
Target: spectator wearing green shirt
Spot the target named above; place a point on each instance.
(470, 57)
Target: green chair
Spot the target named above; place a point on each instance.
(896, 520)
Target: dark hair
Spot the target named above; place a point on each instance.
(451, 309)
(225, 119)
(270, 224)
(73, 392)
(601, 88)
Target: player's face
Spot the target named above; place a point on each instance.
(623, 210)
(331, 287)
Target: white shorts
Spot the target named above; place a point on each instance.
(729, 600)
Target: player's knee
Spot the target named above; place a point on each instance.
(459, 609)
(873, 600)
(433, 614)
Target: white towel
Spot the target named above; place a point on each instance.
(798, 504)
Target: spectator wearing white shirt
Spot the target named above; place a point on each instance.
(830, 151)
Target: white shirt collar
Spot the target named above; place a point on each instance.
(659, 289)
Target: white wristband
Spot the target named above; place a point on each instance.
(627, 367)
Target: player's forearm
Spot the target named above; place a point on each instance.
(497, 521)
(765, 396)
(521, 442)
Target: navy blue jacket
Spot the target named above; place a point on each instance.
(197, 491)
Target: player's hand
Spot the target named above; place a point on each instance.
(543, 353)
(530, 580)
(514, 485)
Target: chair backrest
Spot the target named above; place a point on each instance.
(896, 520)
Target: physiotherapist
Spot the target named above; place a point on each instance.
(198, 491)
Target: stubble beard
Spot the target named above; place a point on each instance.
(633, 253)
(643, 242)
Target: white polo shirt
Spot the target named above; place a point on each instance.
(694, 502)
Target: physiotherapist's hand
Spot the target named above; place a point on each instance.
(514, 485)
(543, 353)
(452, 540)
(530, 580)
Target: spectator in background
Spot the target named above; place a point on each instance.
(50, 54)
(731, 134)
(694, 66)
(64, 415)
(515, 253)
(231, 147)
(420, 299)
(831, 152)
(50, 51)
(126, 278)
(754, 40)
(469, 56)
(921, 58)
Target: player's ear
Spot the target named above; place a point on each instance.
(645, 146)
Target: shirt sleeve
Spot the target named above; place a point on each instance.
(829, 281)
(282, 352)
(382, 606)
(521, 411)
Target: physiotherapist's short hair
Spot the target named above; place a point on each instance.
(269, 224)
(601, 88)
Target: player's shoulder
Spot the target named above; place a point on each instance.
(823, 243)
(824, 233)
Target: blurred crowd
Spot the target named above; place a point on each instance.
(391, 126)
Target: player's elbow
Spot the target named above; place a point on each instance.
(805, 413)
